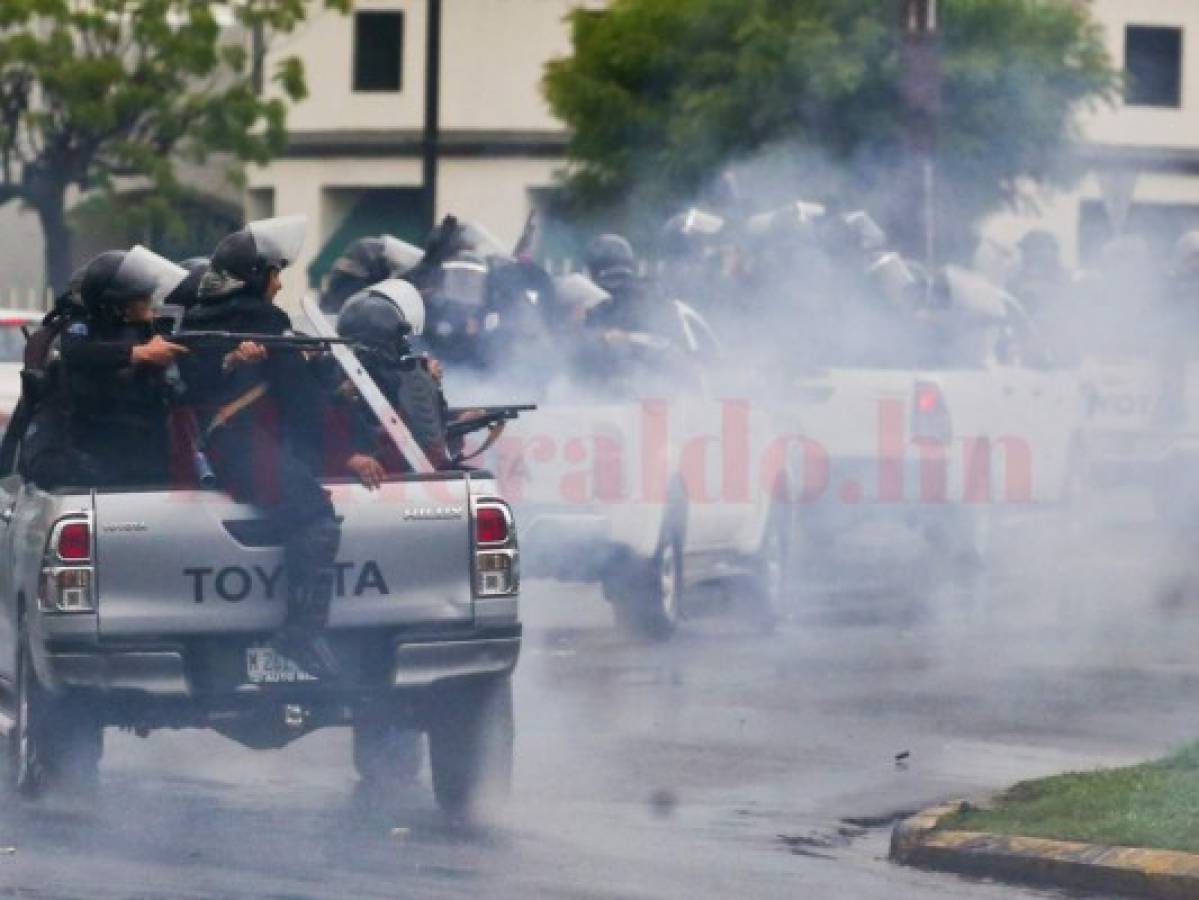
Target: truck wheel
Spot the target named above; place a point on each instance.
(72, 745)
(664, 605)
(647, 602)
(769, 584)
(471, 735)
(53, 741)
(385, 753)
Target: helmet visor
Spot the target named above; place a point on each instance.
(580, 292)
(279, 240)
(698, 221)
(867, 231)
(407, 300)
(464, 281)
(477, 238)
(973, 295)
(893, 276)
(144, 273)
(400, 255)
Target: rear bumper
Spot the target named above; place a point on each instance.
(214, 671)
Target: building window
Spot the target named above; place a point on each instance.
(378, 51)
(1153, 66)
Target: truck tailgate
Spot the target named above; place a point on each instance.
(183, 563)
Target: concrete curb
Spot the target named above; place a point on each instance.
(1064, 864)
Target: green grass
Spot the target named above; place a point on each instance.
(1151, 805)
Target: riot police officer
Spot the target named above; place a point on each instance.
(187, 292)
(635, 324)
(613, 267)
(108, 422)
(240, 395)
(380, 320)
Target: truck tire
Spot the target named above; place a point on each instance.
(648, 600)
(54, 741)
(770, 582)
(471, 736)
(386, 753)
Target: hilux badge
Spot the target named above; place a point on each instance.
(125, 527)
(433, 512)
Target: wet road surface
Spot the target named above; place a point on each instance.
(725, 763)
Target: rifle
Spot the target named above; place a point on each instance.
(231, 339)
(485, 417)
(528, 237)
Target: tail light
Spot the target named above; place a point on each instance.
(497, 559)
(930, 415)
(68, 575)
(491, 525)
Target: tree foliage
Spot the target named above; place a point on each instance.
(96, 92)
(661, 95)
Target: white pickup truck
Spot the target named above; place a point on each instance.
(1133, 434)
(152, 607)
(941, 429)
(653, 488)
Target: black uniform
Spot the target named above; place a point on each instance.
(410, 388)
(104, 421)
(378, 325)
(119, 411)
(635, 309)
(270, 453)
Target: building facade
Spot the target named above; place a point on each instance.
(1142, 153)
(353, 163)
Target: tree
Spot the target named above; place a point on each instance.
(96, 95)
(662, 95)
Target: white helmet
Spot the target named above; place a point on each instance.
(374, 313)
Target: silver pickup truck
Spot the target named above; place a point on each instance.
(151, 608)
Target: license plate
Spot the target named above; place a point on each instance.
(265, 666)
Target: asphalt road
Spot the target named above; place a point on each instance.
(726, 763)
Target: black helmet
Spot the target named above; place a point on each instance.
(374, 259)
(116, 278)
(247, 257)
(188, 291)
(195, 263)
(367, 261)
(610, 262)
(610, 253)
(382, 313)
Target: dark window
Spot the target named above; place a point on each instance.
(1153, 66)
(378, 51)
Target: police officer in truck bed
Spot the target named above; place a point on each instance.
(240, 394)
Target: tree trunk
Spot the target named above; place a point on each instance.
(52, 211)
